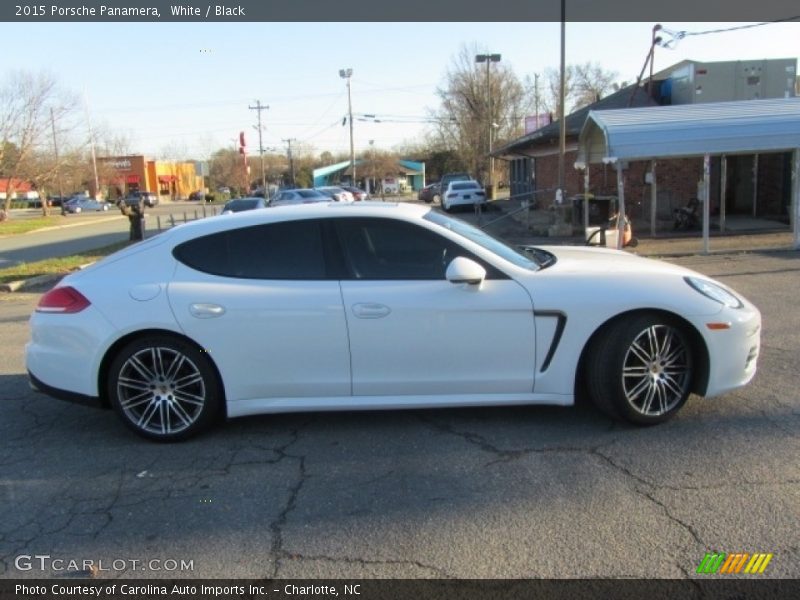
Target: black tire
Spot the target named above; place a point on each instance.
(640, 369)
(164, 388)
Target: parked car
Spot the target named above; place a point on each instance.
(150, 198)
(78, 204)
(298, 196)
(330, 307)
(57, 200)
(463, 193)
(240, 204)
(448, 177)
(429, 193)
(197, 195)
(359, 195)
(336, 193)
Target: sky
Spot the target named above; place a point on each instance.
(182, 90)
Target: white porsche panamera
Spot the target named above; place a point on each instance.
(379, 306)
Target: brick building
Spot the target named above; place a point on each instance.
(757, 185)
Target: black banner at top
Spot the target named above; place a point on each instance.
(405, 11)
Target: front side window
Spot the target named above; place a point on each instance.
(386, 249)
(483, 239)
(290, 250)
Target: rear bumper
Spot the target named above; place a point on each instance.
(38, 385)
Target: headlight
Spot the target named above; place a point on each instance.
(716, 292)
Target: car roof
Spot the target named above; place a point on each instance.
(402, 211)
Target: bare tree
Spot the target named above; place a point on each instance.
(30, 105)
(462, 121)
(584, 84)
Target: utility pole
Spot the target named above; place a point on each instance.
(91, 143)
(291, 160)
(562, 143)
(55, 151)
(488, 59)
(347, 74)
(259, 107)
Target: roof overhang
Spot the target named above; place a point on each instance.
(744, 127)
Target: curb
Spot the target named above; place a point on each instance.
(23, 284)
(20, 285)
(64, 226)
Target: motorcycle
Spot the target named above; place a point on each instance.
(686, 217)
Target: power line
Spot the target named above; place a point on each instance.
(679, 35)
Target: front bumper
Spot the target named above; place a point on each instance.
(733, 352)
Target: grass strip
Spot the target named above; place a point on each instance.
(60, 266)
(17, 226)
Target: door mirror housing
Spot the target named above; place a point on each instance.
(464, 270)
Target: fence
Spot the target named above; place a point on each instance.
(170, 220)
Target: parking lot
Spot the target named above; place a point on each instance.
(502, 492)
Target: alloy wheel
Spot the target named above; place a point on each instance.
(161, 391)
(656, 370)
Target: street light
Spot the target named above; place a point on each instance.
(347, 74)
(488, 59)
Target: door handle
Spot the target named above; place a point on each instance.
(204, 310)
(371, 310)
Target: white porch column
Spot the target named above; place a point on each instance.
(795, 215)
(706, 200)
(723, 187)
(620, 207)
(653, 199)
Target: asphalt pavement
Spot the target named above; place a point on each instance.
(522, 492)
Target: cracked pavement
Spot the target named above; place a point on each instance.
(471, 493)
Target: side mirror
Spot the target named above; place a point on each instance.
(464, 270)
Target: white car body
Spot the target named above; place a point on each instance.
(285, 345)
(462, 193)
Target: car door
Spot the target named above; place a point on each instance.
(259, 300)
(412, 332)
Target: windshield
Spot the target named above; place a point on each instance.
(483, 239)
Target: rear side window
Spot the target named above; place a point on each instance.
(291, 250)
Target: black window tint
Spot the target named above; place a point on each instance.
(291, 250)
(385, 249)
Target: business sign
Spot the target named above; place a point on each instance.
(534, 122)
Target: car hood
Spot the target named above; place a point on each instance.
(588, 260)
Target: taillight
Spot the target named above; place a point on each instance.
(65, 300)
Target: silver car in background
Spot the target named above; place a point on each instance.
(298, 196)
(336, 193)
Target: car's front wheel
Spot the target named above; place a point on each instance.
(164, 389)
(640, 369)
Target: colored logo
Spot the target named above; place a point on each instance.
(734, 564)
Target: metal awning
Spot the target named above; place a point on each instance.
(693, 130)
(746, 127)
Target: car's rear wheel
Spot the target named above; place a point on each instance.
(640, 369)
(163, 388)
